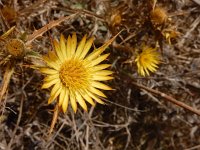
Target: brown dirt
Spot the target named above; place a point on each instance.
(133, 118)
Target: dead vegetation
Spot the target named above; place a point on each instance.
(139, 113)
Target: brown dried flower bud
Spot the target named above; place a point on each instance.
(16, 47)
(115, 18)
(158, 16)
(9, 13)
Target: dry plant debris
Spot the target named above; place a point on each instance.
(154, 54)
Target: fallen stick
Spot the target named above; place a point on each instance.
(165, 96)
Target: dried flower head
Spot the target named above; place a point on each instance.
(115, 18)
(16, 48)
(147, 60)
(9, 13)
(10, 47)
(170, 33)
(74, 74)
(158, 16)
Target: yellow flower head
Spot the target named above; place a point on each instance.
(147, 60)
(75, 74)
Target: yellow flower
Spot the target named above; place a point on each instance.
(75, 74)
(147, 60)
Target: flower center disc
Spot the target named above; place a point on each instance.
(73, 74)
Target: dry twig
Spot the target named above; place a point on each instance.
(168, 98)
(165, 96)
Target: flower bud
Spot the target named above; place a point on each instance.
(16, 48)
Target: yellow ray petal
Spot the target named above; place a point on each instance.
(73, 43)
(55, 88)
(146, 70)
(100, 67)
(103, 72)
(54, 93)
(61, 96)
(51, 77)
(46, 85)
(66, 101)
(86, 48)
(87, 98)
(52, 98)
(101, 49)
(101, 78)
(152, 68)
(51, 63)
(48, 71)
(81, 46)
(98, 60)
(141, 71)
(58, 50)
(97, 92)
(81, 101)
(69, 47)
(52, 55)
(100, 85)
(73, 102)
(63, 46)
(54, 58)
(98, 100)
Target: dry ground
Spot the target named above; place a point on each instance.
(133, 119)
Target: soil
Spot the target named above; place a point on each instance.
(133, 118)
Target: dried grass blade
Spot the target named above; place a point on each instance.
(6, 80)
(55, 117)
